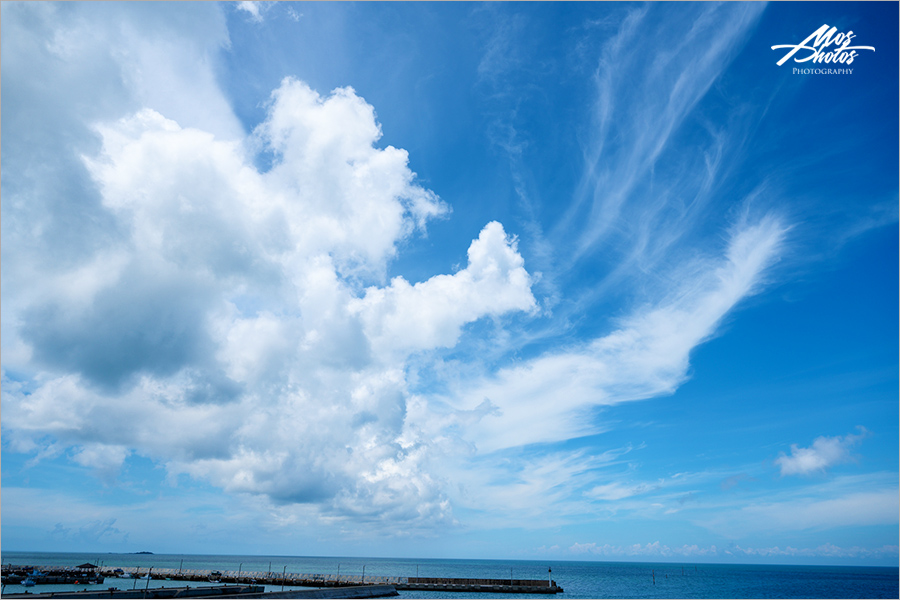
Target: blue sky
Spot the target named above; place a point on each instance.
(567, 281)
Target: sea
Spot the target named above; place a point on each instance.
(579, 579)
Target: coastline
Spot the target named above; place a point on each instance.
(579, 579)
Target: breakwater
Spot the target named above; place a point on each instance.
(443, 584)
(313, 580)
(499, 586)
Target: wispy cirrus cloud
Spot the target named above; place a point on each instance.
(644, 95)
(547, 399)
(845, 501)
(617, 491)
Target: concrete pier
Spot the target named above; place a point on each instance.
(499, 586)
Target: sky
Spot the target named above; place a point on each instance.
(558, 281)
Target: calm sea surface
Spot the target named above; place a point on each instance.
(579, 579)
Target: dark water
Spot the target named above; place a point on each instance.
(579, 579)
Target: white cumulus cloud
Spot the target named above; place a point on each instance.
(430, 314)
(251, 8)
(222, 328)
(825, 452)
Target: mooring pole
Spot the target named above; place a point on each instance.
(283, 571)
(147, 587)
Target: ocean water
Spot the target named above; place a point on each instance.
(579, 579)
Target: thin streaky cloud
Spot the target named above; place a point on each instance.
(631, 135)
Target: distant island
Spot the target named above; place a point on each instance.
(143, 552)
